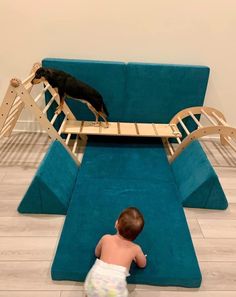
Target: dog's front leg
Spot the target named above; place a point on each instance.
(62, 100)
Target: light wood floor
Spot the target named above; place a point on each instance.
(28, 243)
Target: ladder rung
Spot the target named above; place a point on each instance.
(11, 116)
(195, 119)
(5, 128)
(68, 138)
(178, 139)
(15, 106)
(75, 144)
(208, 117)
(49, 103)
(62, 125)
(54, 118)
(42, 93)
(219, 119)
(28, 78)
(183, 125)
(169, 147)
(230, 144)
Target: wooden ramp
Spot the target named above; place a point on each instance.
(122, 129)
(18, 96)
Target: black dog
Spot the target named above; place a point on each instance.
(67, 85)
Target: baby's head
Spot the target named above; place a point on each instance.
(130, 223)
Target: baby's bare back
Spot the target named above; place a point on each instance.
(118, 251)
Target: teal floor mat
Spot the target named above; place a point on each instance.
(115, 174)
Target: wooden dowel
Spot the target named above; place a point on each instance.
(54, 118)
(28, 78)
(230, 144)
(75, 144)
(17, 99)
(68, 138)
(49, 103)
(195, 119)
(170, 147)
(62, 125)
(15, 106)
(178, 139)
(11, 116)
(183, 125)
(219, 119)
(5, 128)
(42, 93)
(208, 117)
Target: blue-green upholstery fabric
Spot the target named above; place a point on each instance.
(52, 186)
(117, 173)
(156, 92)
(197, 181)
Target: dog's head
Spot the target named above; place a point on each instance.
(41, 75)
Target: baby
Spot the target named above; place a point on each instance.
(108, 275)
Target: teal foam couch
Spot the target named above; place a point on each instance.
(118, 172)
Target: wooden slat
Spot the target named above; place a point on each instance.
(195, 119)
(42, 93)
(219, 119)
(183, 126)
(62, 125)
(208, 117)
(49, 103)
(122, 129)
(54, 118)
(68, 138)
(230, 143)
(28, 78)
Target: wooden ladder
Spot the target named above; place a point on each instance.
(18, 96)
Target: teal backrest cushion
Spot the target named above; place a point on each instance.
(156, 92)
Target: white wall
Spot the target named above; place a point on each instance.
(199, 32)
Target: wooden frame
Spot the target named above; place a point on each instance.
(217, 125)
(18, 96)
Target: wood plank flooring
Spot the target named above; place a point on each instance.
(28, 242)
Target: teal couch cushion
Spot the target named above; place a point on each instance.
(156, 92)
(115, 174)
(197, 181)
(51, 188)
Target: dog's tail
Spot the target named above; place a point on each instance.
(105, 109)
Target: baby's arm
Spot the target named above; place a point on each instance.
(98, 248)
(140, 258)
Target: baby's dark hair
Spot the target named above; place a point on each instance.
(130, 223)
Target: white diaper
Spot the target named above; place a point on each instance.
(106, 280)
